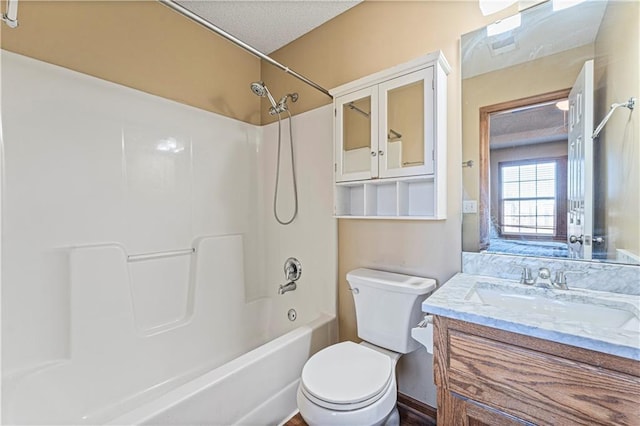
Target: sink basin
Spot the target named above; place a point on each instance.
(555, 305)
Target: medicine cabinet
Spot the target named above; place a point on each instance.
(390, 142)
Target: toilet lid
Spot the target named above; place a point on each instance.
(346, 373)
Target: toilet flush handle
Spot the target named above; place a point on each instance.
(354, 290)
(428, 319)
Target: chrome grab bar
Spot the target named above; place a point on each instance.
(159, 255)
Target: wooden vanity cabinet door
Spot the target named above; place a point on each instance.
(489, 376)
(481, 415)
(456, 410)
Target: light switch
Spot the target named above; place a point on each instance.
(469, 206)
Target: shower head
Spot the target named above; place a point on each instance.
(260, 89)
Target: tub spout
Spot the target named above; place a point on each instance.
(290, 286)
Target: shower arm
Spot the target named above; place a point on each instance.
(198, 19)
(10, 17)
(631, 103)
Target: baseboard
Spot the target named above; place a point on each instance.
(414, 412)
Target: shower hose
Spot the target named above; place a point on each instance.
(293, 173)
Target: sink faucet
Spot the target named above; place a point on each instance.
(543, 280)
(290, 286)
(559, 282)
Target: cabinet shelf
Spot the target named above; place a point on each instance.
(397, 198)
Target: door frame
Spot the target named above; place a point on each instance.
(484, 202)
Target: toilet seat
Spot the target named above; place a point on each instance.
(346, 376)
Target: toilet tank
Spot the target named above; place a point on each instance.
(388, 306)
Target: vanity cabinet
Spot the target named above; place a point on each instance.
(390, 142)
(487, 376)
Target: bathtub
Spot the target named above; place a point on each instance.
(257, 388)
(217, 359)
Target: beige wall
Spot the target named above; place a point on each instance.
(143, 45)
(618, 148)
(544, 75)
(371, 37)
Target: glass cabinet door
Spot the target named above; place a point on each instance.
(406, 130)
(356, 135)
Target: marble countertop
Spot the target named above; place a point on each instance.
(456, 300)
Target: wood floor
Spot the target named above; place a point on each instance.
(296, 421)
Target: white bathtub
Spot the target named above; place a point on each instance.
(257, 388)
(221, 361)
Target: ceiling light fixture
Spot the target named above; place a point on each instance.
(563, 105)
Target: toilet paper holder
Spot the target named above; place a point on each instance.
(423, 333)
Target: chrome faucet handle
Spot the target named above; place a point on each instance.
(544, 273)
(527, 277)
(544, 278)
(292, 269)
(560, 280)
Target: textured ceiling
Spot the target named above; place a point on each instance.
(267, 25)
(529, 125)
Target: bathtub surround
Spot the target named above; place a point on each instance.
(96, 173)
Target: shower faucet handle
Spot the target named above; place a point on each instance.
(292, 269)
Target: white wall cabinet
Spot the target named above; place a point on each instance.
(390, 142)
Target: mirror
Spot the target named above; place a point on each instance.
(528, 114)
(404, 132)
(405, 118)
(356, 135)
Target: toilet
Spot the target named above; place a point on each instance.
(355, 384)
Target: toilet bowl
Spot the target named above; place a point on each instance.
(349, 384)
(355, 384)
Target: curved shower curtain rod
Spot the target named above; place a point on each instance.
(198, 19)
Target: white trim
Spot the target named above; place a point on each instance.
(393, 72)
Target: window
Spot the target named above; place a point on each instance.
(528, 198)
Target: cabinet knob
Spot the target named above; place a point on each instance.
(373, 153)
(381, 152)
